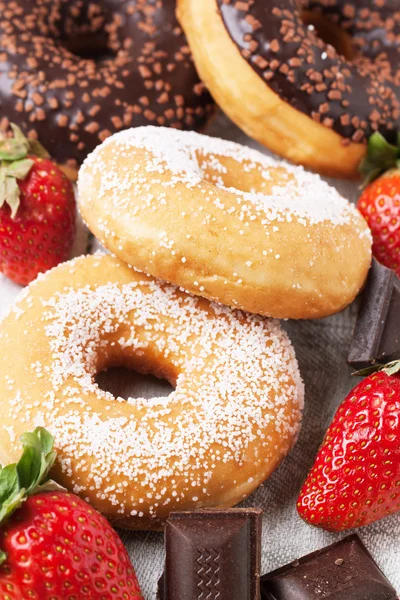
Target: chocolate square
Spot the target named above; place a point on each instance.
(343, 571)
(212, 554)
(376, 335)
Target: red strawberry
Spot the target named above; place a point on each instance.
(379, 203)
(37, 210)
(53, 545)
(355, 479)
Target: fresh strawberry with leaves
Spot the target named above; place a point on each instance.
(37, 210)
(379, 202)
(53, 545)
(355, 479)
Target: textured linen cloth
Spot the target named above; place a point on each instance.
(321, 348)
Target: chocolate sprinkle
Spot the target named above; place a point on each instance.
(356, 97)
(72, 73)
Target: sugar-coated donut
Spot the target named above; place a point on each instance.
(234, 414)
(74, 71)
(225, 222)
(270, 67)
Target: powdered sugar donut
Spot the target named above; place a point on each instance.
(225, 222)
(233, 415)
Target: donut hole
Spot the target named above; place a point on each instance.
(226, 172)
(90, 47)
(82, 28)
(123, 382)
(95, 49)
(330, 33)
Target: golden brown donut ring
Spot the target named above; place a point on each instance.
(225, 222)
(234, 414)
(268, 66)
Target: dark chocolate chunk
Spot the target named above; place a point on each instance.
(213, 555)
(343, 571)
(377, 333)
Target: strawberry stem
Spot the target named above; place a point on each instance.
(30, 475)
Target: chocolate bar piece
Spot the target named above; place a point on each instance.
(212, 555)
(376, 336)
(342, 571)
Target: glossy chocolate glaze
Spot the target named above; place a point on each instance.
(353, 97)
(74, 71)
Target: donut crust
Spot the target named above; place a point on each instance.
(233, 416)
(225, 222)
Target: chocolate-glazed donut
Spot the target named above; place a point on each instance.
(316, 78)
(74, 71)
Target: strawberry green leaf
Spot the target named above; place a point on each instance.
(18, 135)
(391, 368)
(18, 146)
(45, 438)
(3, 557)
(12, 195)
(11, 151)
(371, 173)
(14, 148)
(30, 475)
(380, 150)
(19, 168)
(28, 467)
(2, 186)
(15, 164)
(11, 504)
(36, 148)
(381, 156)
(8, 481)
(37, 458)
(49, 486)
(367, 371)
(10, 493)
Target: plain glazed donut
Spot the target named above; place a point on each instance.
(275, 76)
(225, 222)
(234, 414)
(73, 72)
